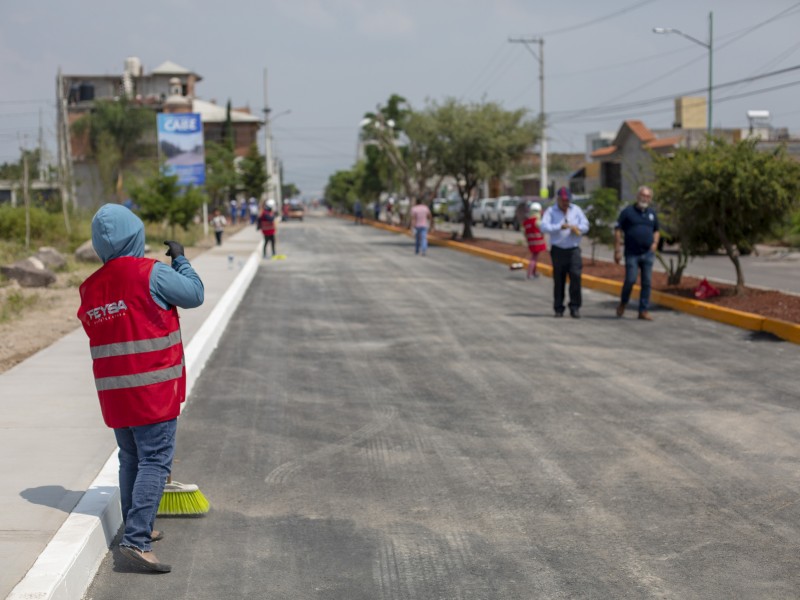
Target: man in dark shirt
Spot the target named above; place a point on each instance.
(639, 224)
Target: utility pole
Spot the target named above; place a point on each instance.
(268, 145)
(527, 41)
(710, 72)
(65, 173)
(26, 195)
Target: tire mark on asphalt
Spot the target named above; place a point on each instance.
(385, 415)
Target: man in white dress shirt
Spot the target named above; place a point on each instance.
(566, 224)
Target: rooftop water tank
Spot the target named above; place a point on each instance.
(133, 66)
(85, 91)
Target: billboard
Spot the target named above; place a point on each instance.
(180, 145)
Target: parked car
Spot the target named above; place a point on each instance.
(455, 210)
(296, 211)
(504, 211)
(438, 207)
(479, 209)
(487, 207)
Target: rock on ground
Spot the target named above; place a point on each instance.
(86, 253)
(52, 258)
(29, 272)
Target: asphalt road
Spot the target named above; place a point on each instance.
(776, 270)
(375, 425)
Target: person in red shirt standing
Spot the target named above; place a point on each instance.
(267, 224)
(129, 311)
(535, 237)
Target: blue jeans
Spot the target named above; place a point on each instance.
(420, 240)
(633, 264)
(145, 462)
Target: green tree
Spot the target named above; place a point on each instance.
(115, 130)
(726, 195)
(162, 200)
(602, 214)
(253, 172)
(342, 188)
(386, 167)
(289, 190)
(478, 141)
(221, 176)
(402, 148)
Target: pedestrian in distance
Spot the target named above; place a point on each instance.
(638, 224)
(252, 209)
(234, 210)
(358, 213)
(268, 224)
(218, 222)
(377, 208)
(565, 223)
(129, 311)
(242, 211)
(534, 237)
(389, 211)
(420, 222)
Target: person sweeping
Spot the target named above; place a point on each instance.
(129, 311)
(267, 225)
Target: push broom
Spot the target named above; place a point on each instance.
(182, 500)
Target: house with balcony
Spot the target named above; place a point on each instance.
(167, 88)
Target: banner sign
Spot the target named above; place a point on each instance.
(180, 145)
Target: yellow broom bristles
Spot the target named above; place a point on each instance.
(180, 499)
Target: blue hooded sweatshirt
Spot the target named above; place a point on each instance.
(116, 232)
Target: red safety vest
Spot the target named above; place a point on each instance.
(136, 345)
(267, 223)
(534, 235)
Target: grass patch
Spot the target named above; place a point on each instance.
(15, 302)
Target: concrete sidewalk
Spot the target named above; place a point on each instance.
(54, 442)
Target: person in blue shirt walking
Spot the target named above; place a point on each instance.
(565, 223)
(638, 223)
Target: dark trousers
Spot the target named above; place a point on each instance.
(218, 235)
(269, 239)
(566, 262)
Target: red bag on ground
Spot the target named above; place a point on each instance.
(705, 290)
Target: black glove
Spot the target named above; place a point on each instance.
(175, 249)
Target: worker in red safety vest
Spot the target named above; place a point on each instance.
(129, 311)
(268, 225)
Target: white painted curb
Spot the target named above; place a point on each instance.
(70, 560)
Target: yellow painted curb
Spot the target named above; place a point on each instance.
(744, 320)
(783, 329)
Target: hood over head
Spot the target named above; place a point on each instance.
(116, 232)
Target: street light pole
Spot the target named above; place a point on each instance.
(268, 142)
(543, 187)
(708, 46)
(710, 68)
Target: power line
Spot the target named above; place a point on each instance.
(737, 36)
(488, 68)
(751, 29)
(597, 20)
(629, 105)
(656, 111)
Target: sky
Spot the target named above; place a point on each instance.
(331, 61)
